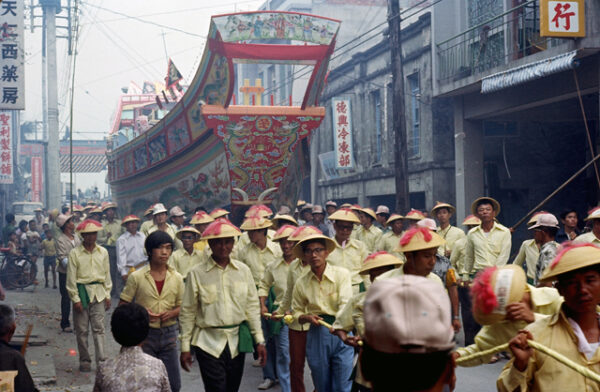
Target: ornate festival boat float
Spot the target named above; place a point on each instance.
(207, 152)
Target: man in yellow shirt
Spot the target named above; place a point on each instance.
(592, 237)
(270, 293)
(529, 252)
(319, 295)
(183, 260)
(220, 313)
(88, 285)
(159, 220)
(573, 331)
(159, 289)
(367, 232)
(111, 231)
(201, 220)
(148, 220)
(349, 252)
(442, 213)
(261, 250)
(389, 241)
(260, 210)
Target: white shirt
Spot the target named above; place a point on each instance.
(130, 251)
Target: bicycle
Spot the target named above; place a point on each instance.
(17, 271)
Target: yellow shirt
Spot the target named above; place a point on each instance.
(390, 243)
(145, 226)
(257, 259)
(486, 249)
(275, 276)
(588, 237)
(183, 262)
(351, 315)
(86, 267)
(171, 231)
(547, 374)
(400, 271)
(457, 258)
(528, 254)
(216, 297)
(49, 247)
(451, 234)
(201, 245)
(296, 270)
(114, 228)
(350, 257)
(141, 287)
(327, 296)
(369, 236)
(546, 301)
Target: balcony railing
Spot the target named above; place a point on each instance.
(507, 37)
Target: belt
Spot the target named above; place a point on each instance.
(245, 339)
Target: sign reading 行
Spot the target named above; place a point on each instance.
(12, 65)
(6, 152)
(562, 18)
(342, 133)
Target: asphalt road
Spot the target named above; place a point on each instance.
(40, 307)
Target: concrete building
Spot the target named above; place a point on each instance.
(365, 79)
(519, 131)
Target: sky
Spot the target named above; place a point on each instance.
(120, 41)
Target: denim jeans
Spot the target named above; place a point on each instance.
(329, 359)
(282, 360)
(161, 343)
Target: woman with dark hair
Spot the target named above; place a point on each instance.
(159, 289)
(132, 369)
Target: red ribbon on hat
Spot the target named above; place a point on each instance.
(412, 232)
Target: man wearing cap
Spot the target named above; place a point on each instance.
(544, 231)
(411, 356)
(443, 212)
(319, 295)
(260, 210)
(367, 232)
(349, 252)
(177, 217)
(389, 241)
(183, 260)
(130, 248)
(330, 207)
(383, 214)
(261, 250)
(148, 221)
(200, 220)
(89, 284)
(270, 293)
(65, 242)
(350, 318)
(573, 331)
(297, 331)
(412, 217)
(107, 237)
(592, 237)
(318, 221)
(220, 313)
(159, 220)
(306, 217)
(529, 253)
(159, 289)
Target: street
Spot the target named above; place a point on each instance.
(55, 365)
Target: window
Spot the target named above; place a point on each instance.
(414, 131)
(377, 112)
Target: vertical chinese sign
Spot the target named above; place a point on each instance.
(342, 133)
(6, 151)
(12, 69)
(562, 18)
(36, 178)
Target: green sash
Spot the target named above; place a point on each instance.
(245, 339)
(361, 287)
(83, 295)
(274, 325)
(329, 319)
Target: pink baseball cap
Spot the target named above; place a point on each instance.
(408, 313)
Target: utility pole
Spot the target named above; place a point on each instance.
(398, 112)
(53, 188)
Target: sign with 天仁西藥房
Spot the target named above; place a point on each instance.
(12, 64)
(562, 18)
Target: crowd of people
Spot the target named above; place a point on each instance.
(320, 285)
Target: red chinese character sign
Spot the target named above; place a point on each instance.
(6, 152)
(342, 133)
(12, 66)
(36, 178)
(562, 18)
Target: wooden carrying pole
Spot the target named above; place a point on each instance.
(26, 341)
(560, 188)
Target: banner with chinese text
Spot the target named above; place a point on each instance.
(36, 178)
(342, 133)
(562, 18)
(6, 153)
(12, 65)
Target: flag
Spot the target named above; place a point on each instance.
(148, 88)
(173, 75)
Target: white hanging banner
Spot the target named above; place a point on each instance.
(12, 64)
(342, 133)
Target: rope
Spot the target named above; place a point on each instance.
(540, 347)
